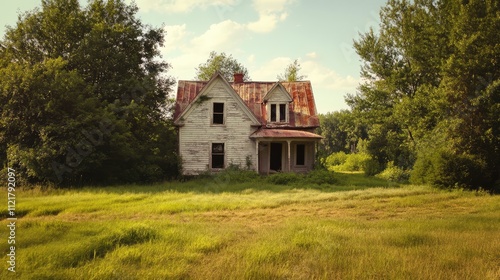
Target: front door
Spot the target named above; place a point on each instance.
(276, 156)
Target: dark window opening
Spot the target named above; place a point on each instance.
(273, 112)
(218, 113)
(282, 112)
(301, 154)
(275, 157)
(217, 155)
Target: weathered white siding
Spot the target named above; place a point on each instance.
(197, 133)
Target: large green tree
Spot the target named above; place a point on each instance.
(86, 97)
(432, 90)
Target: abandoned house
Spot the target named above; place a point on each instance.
(264, 126)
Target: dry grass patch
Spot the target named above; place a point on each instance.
(168, 232)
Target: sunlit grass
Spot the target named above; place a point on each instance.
(359, 228)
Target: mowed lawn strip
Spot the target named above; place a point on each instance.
(245, 231)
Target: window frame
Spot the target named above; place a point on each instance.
(277, 112)
(297, 154)
(212, 154)
(282, 105)
(213, 113)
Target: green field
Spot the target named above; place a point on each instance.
(227, 228)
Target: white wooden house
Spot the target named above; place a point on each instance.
(265, 126)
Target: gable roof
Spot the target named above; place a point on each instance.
(302, 110)
(204, 90)
(273, 91)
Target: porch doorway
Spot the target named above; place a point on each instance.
(275, 158)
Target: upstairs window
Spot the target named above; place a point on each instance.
(217, 155)
(273, 112)
(282, 112)
(218, 113)
(278, 113)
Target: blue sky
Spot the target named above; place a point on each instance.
(263, 35)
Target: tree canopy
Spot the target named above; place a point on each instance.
(84, 96)
(431, 91)
(224, 64)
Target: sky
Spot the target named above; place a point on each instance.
(263, 35)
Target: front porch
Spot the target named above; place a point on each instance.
(281, 150)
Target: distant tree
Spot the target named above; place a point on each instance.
(84, 96)
(292, 73)
(225, 64)
(341, 132)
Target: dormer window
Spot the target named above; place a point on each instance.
(278, 112)
(277, 100)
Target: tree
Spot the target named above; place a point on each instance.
(224, 64)
(85, 96)
(432, 73)
(341, 132)
(292, 73)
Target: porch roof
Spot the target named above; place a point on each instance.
(284, 133)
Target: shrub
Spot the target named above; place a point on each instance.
(348, 162)
(371, 167)
(394, 174)
(336, 159)
(240, 176)
(236, 174)
(446, 170)
(283, 178)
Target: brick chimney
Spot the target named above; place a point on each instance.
(238, 77)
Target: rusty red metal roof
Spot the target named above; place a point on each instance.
(302, 110)
(284, 133)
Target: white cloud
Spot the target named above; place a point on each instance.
(270, 13)
(326, 77)
(283, 16)
(220, 36)
(271, 69)
(192, 50)
(329, 87)
(270, 6)
(265, 24)
(175, 37)
(181, 6)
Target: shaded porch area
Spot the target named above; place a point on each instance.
(281, 150)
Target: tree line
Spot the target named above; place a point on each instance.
(430, 100)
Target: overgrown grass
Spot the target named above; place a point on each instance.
(239, 227)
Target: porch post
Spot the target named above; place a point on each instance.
(289, 157)
(257, 155)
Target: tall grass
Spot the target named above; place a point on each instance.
(352, 228)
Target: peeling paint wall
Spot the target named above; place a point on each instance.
(197, 133)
